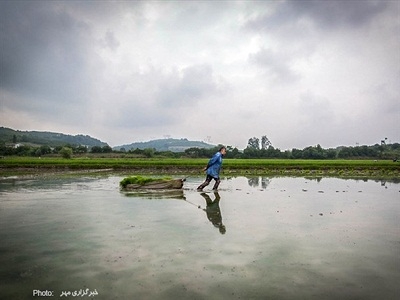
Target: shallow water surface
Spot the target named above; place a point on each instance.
(257, 238)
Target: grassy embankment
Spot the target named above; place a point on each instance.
(282, 167)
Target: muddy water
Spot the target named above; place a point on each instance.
(257, 238)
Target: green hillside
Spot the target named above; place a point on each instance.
(174, 145)
(53, 139)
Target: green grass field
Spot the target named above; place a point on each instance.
(385, 168)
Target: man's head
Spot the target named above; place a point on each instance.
(222, 150)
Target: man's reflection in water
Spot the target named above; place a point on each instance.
(213, 211)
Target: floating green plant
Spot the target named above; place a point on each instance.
(141, 180)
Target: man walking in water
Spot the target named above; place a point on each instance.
(213, 168)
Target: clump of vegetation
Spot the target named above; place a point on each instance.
(141, 180)
(66, 152)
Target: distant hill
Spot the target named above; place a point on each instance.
(174, 145)
(53, 139)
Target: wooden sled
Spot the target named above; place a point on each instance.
(156, 185)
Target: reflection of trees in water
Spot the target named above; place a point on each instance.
(317, 179)
(265, 182)
(255, 182)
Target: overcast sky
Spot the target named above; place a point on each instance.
(300, 72)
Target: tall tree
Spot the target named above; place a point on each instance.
(265, 142)
(254, 143)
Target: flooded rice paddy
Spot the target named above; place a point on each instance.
(257, 238)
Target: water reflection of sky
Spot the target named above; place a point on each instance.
(283, 238)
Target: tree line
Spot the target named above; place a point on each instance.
(390, 151)
(28, 150)
(256, 148)
(262, 148)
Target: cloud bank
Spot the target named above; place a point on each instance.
(301, 72)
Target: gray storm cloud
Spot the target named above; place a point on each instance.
(300, 72)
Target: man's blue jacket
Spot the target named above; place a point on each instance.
(214, 165)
